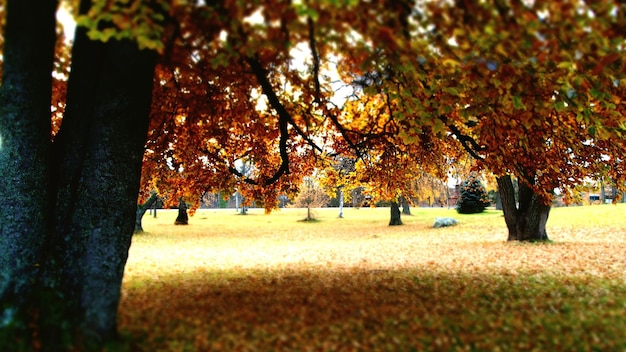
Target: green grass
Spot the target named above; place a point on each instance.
(270, 282)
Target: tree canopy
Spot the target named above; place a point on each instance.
(532, 89)
(529, 89)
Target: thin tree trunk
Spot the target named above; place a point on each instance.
(602, 192)
(395, 215)
(406, 210)
(613, 193)
(527, 220)
(244, 208)
(141, 210)
(340, 191)
(498, 201)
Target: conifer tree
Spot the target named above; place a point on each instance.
(473, 198)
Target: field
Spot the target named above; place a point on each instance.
(228, 282)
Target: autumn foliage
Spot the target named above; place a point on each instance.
(405, 88)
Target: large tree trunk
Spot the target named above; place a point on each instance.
(395, 215)
(25, 96)
(78, 197)
(142, 208)
(526, 220)
(97, 223)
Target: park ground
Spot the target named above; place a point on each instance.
(260, 282)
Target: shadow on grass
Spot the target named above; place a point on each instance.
(310, 220)
(383, 310)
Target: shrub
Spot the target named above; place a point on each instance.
(473, 198)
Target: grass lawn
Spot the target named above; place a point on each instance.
(259, 282)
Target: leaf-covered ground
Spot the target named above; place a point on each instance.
(271, 283)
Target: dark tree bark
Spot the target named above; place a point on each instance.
(94, 249)
(526, 221)
(142, 208)
(77, 195)
(154, 209)
(25, 94)
(395, 215)
(406, 209)
(182, 218)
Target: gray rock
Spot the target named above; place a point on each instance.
(442, 222)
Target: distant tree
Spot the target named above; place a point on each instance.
(391, 161)
(358, 197)
(283, 200)
(182, 218)
(338, 179)
(406, 209)
(245, 169)
(141, 210)
(474, 197)
(311, 195)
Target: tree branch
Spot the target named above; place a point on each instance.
(283, 115)
(316, 60)
(468, 143)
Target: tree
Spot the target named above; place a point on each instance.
(311, 195)
(214, 102)
(182, 218)
(509, 82)
(476, 62)
(406, 210)
(285, 134)
(246, 169)
(142, 208)
(69, 201)
(390, 163)
(395, 218)
(473, 196)
(429, 188)
(358, 198)
(338, 178)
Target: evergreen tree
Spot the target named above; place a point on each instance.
(474, 197)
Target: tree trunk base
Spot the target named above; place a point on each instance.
(526, 222)
(182, 218)
(395, 215)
